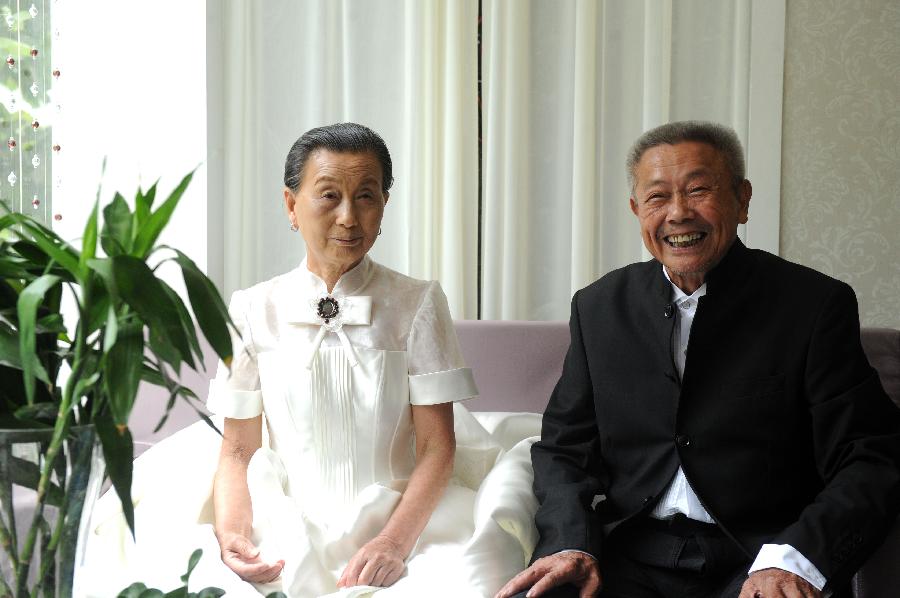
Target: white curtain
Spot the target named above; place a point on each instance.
(567, 87)
(407, 69)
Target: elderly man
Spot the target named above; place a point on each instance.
(717, 429)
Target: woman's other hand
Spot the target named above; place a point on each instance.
(380, 562)
(242, 557)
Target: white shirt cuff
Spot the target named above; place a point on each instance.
(787, 558)
(442, 387)
(236, 404)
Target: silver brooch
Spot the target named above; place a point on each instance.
(327, 308)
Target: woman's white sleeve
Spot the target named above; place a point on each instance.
(437, 373)
(236, 393)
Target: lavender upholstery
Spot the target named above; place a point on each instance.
(515, 364)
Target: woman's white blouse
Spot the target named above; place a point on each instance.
(339, 453)
(336, 396)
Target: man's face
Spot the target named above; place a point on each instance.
(686, 204)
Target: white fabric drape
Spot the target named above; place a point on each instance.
(567, 87)
(407, 69)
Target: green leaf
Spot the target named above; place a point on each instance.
(97, 308)
(85, 383)
(145, 293)
(160, 347)
(152, 376)
(132, 591)
(139, 590)
(118, 450)
(116, 236)
(26, 474)
(89, 241)
(143, 202)
(192, 562)
(122, 368)
(49, 242)
(146, 237)
(211, 593)
(187, 324)
(35, 257)
(29, 300)
(209, 309)
(276, 595)
(43, 411)
(9, 348)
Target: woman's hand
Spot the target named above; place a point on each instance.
(380, 562)
(242, 557)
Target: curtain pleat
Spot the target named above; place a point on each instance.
(568, 87)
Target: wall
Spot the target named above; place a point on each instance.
(840, 189)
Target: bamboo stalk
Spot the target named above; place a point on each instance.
(60, 430)
(47, 467)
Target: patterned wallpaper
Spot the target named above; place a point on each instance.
(840, 210)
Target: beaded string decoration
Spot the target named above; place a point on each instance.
(26, 116)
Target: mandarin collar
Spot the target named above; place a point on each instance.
(734, 266)
(679, 296)
(351, 282)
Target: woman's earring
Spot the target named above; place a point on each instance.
(293, 227)
(379, 231)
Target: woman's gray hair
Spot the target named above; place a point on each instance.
(720, 137)
(340, 138)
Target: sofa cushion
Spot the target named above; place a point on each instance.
(882, 347)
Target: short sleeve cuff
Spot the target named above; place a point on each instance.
(442, 387)
(788, 558)
(236, 404)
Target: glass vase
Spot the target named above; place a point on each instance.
(57, 530)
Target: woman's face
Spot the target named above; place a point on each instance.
(338, 209)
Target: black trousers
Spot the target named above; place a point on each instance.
(678, 558)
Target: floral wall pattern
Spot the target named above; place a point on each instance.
(840, 204)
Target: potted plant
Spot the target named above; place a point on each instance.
(69, 390)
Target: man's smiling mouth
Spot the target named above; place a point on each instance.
(684, 240)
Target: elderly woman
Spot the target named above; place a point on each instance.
(349, 362)
(344, 468)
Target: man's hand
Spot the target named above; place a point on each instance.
(242, 557)
(574, 568)
(379, 563)
(777, 583)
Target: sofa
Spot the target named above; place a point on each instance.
(517, 364)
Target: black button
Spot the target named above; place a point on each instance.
(683, 440)
(670, 311)
(671, 376)
(648, 499)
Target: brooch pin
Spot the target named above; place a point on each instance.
(327, 308)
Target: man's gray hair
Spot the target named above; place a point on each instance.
(720, 137)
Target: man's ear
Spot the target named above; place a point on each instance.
(387, 196)
(744, 193)
(634, 205)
